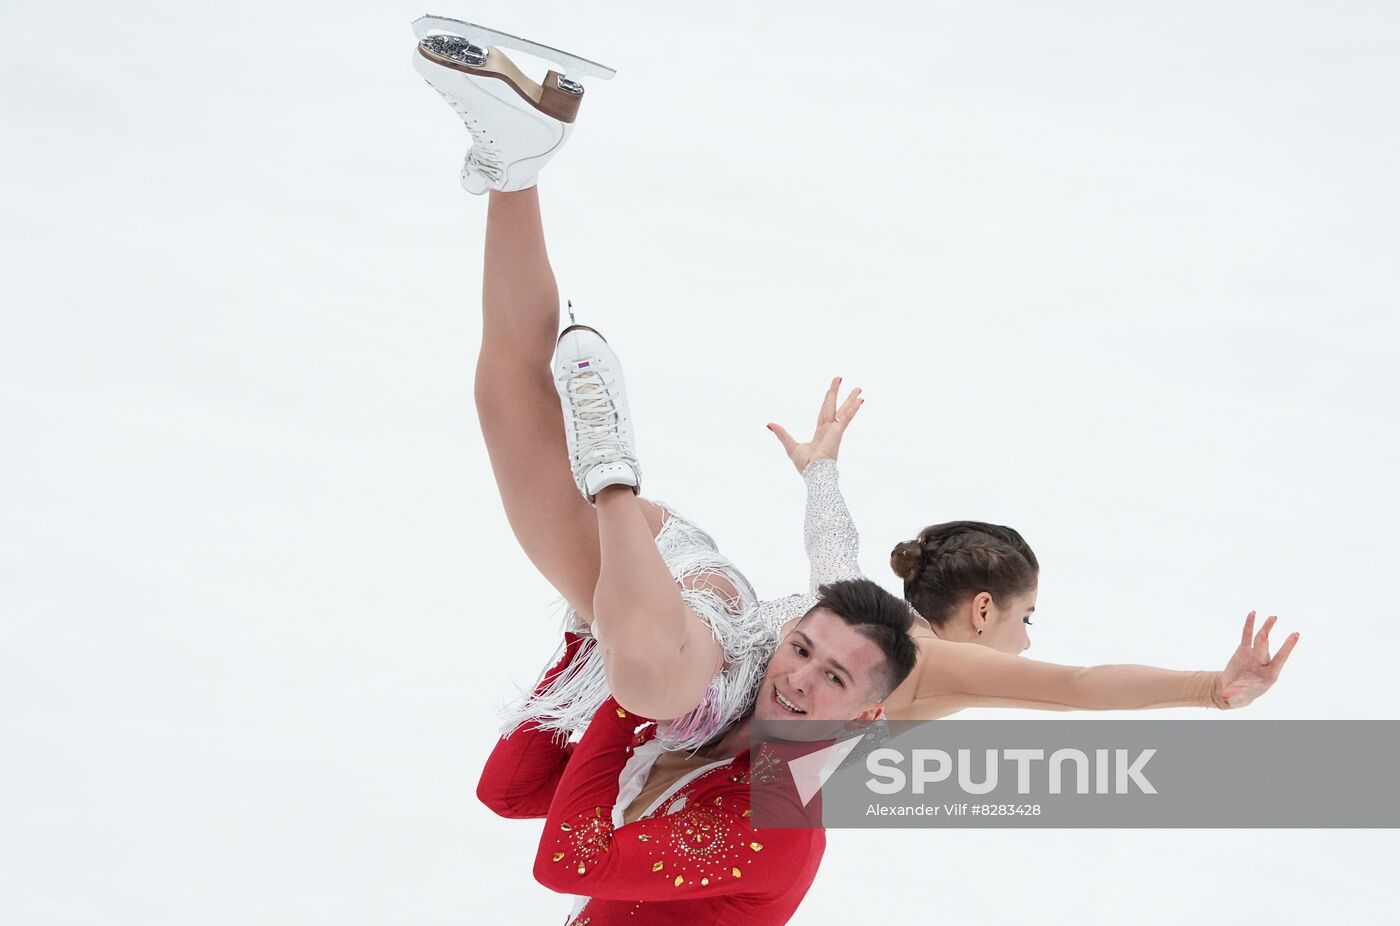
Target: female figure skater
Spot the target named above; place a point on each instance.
(675, 630)
(975, 583)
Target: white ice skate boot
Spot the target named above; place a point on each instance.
(596, 421)
(516, 124)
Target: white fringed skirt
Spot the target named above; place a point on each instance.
(747, 640)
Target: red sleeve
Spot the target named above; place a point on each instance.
(525, 767)
(707, 849)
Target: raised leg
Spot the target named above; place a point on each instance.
(519, 408)
(517, 404)
(659, 655)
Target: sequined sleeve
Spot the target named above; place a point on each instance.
(833, 544)
(708, 849)
(775, 613)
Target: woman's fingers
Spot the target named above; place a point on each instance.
(828, 411)
(1247, 639)
(1283, 651)
(783, 437)
(849, 408)
(1234, 694)
(1261, 642)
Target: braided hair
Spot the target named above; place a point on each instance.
(951, 562)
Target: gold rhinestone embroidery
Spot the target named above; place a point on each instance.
(643, 837)
(679, 881)
(621, 712)
(719, 800)
(747, 813)
(558, 856)
(700, 833)
(589, 837)
(658, 866)
(704, 882)
(736, 872)
(763, 768)
(756, 846)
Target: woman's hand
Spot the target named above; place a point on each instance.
(831, 425)
(1251, 671)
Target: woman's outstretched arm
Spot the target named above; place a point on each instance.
(954, 676)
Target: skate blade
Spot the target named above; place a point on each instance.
(570, 65)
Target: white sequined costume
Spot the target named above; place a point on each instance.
(746, 628)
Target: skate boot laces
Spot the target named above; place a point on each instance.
(482, 157)
(594, 417)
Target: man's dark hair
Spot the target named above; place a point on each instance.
(880, 617)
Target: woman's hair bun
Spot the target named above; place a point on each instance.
(905, 559)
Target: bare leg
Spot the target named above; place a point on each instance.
(659, 655)
(519, 409)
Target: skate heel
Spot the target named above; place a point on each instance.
(577, 327)
(558, 97)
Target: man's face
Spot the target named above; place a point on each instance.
(822, 670)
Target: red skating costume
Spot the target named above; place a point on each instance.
(695, 858)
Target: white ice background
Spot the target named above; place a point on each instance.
(1122, 276)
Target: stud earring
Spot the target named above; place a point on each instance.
(979, 633)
